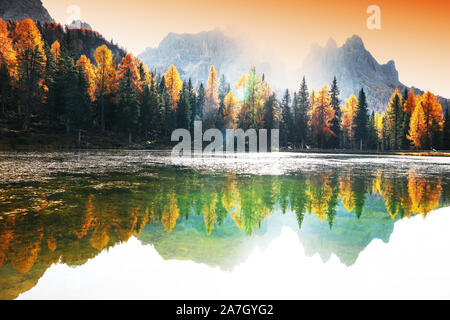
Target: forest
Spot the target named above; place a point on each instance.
(51, 80)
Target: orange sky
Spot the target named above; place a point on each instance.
(416, 34)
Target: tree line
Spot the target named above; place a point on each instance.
(56, 87)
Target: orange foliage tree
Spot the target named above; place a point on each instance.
(173, 84)
(56, 50)
(88, 70)
(31, 66)
(8, 56)
(410, 103)
(105, 77)
(417, 127)
(129, 63)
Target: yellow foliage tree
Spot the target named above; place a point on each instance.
(211, 97)
(170, 214)
(173, 84)
(417, 127)
(348, 116)
(230, 114)
(88, 70)
(105, 77)
(56, 50)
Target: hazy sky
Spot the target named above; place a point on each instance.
(415, 34)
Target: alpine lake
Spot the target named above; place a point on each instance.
(145, 225)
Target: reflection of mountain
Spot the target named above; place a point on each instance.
(193, 54)
(216, 220)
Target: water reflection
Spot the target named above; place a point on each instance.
(209, 218)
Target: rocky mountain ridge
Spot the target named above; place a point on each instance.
(24, 9)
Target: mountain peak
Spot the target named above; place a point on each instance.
(354, 42)
(23, 9)
(331, 44)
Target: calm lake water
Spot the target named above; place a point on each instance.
(143, 225)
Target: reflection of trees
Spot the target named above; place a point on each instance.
(98, 219)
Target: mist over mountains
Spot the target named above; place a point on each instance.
(193, 54)
(353, 66)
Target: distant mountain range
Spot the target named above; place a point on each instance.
(24, 9)
(193, 54)
(353, 66)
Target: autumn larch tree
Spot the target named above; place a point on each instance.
(434, 118)
(230, 114)
(211, 99)
(89, 73)
(173, 84)
(361, 119)
(105, 78)
(348, 124)
(417, 127)
(31, 62)
(322, 114)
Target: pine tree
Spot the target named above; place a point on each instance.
(128, 109)
(361, 120)
(270, 114)
(200, 102)
(336, 122)
(286, 124)
(149, 110)
(302, 120)
(446, 133)
(395, 120)
(372, 140)
(5, 89)
(78, 102)
(183, 112)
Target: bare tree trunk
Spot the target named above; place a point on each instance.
(102, 101)
(79, 138)
(129, 137)
(360, 145)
